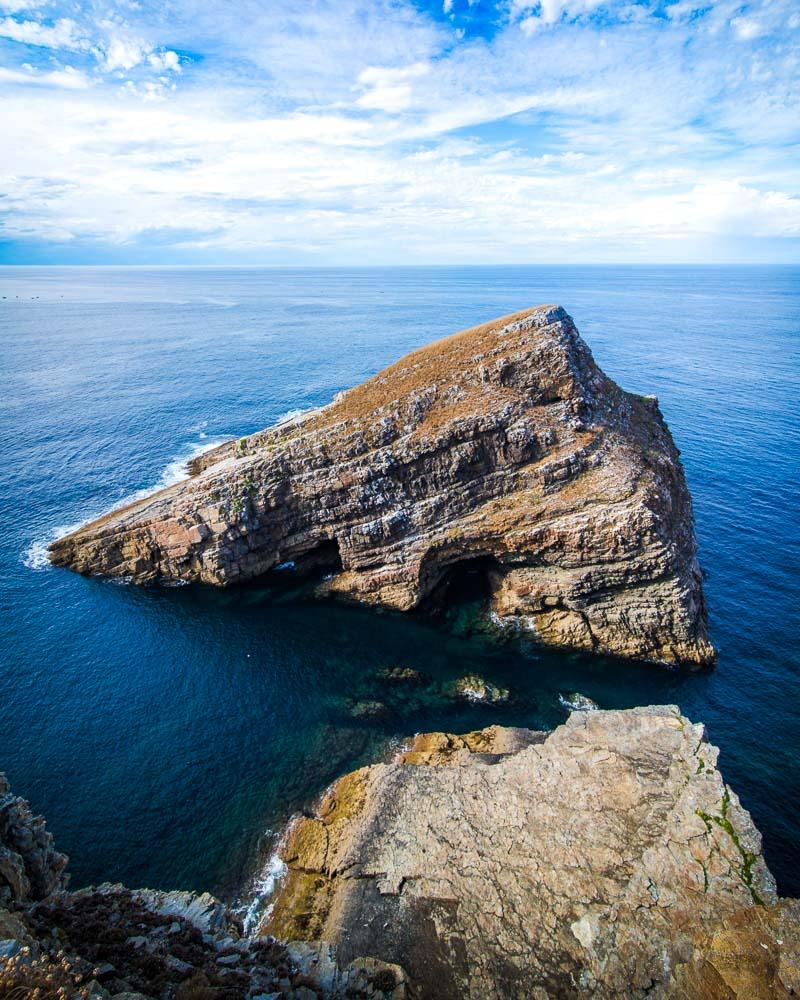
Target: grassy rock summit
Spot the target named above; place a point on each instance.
(606, 859)
(503, 450)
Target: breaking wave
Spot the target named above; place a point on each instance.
(263, 887)
(35, 557)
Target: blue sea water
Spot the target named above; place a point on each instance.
(164, 732)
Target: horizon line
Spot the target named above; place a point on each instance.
(376, 267)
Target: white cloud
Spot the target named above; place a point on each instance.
(17, 6)
(60, 35)
(390, 89)
(123, 53)
(67, 78)
(115, 47)
(165, 61)
(355, 130)
(547, 12)
(747, 28)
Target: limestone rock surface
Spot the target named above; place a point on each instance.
(503, 448)
(606, 859)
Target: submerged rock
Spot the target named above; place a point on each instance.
(502, 451)
(577, 702)
(404, 675)
(607, 859)
(475, 688)
(367, 710)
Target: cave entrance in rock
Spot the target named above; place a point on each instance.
(467, 581)
(324, 558)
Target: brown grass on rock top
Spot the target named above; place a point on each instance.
(439, 363)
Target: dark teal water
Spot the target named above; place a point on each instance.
(164, 731)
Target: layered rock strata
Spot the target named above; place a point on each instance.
(503, 449)
(607, 859)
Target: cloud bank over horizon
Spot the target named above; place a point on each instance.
(391, 131)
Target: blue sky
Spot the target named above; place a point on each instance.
(394, 131)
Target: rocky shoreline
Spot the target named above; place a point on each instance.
(502, 451)
(114, 942)
(604, 859)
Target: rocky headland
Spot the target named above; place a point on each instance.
(607, 859)
(503, 450)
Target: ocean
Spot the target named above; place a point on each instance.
(167, 733)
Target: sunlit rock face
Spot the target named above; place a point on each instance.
(606, 859)
(503, 449)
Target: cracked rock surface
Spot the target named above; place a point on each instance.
(503, 447)
(606, 859)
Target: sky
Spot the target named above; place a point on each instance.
(349, 132)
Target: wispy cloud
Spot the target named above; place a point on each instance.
(372, 130)
(67, 78)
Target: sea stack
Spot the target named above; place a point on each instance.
(502, 449)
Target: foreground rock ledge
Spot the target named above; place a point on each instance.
(607, 859)
(114, 943)
(503, 448)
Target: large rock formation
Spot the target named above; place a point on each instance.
(503, 448)
(607, 859)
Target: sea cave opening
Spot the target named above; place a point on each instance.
(323, 559)
(468, 581)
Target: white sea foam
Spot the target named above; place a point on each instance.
(577, 702)
(295, 416)
(176, 470)
(263, 888)
(35, 556)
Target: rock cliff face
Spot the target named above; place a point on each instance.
(502, 449)
(115, 943)
(30, 866)
(607, 859)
